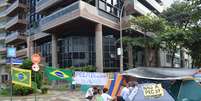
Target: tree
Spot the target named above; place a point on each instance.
(150, 26)
(171, 38)
(183, 16)
(179, 16)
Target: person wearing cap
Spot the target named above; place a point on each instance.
(106, 96)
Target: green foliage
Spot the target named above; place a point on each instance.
(86, 68)
(148, 23)
(5, 91)
(44, 90)
(19, 90)
(27, 63)
(184, 19)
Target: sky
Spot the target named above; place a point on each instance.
(167, 3)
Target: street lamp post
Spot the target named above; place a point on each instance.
(121, 43)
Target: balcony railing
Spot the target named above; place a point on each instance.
(156, 5)
(60, 13)
(42, 4)
(15, 5)
(15, 20)
(142, 9)
(3, 3)
(2, 61)
(21, 52)
(15, 36)
(74, 11)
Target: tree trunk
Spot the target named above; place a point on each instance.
(173, 56)
(151, 57)
(182, 62)
(130, 56)
(146, 56)
(158, 61)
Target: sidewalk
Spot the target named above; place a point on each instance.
(51, 96)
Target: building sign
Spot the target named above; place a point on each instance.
(90, 78)
(11, 52)
(153, 90)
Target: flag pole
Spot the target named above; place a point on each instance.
(36, 85)
(11, 85)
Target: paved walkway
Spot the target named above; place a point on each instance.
(52, 96)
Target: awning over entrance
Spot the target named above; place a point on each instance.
(161, 73)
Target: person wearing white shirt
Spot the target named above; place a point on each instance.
(125, 92)
(90, 93)
(106, 97)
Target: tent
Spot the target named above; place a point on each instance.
(140, 96)
(161, 73)
(184, 87)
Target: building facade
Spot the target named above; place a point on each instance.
(3, 20)
(77, 33)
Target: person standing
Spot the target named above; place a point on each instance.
(90, 93)
(106, 97)
(98, 97)
(125, 93)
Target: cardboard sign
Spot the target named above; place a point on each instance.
(153, 90)
(90, 78)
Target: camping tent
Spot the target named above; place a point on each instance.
(184, 89)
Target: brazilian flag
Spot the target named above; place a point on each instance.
(58, 74)
(21, 76)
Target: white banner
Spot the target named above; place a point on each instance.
(90, 78)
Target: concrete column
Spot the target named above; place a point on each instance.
(130, 56)
(99, 47)
(30, 47)
(54, 51)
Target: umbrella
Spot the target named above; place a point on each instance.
(140, 96)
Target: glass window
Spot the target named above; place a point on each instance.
(110, 6)
(4, 78)
(101, 5)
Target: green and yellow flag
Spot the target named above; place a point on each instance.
(21, 76)
(58, 74)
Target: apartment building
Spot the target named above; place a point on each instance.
(83, 32)
(16, 26)
(3, 20)
(76, 32)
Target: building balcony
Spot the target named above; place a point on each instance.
(79, 9)
(15, 8)
(2, 26)
(127, 25)
(15, 38)
(43, 5)
(134, 6)
(22, 53)
(156, 5)
(2, 61)
(3, 3)
(2, 36)
(16, 23)
(2, 50)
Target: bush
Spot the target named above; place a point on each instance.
(19, 90)
(5, 92)
(44, 90)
